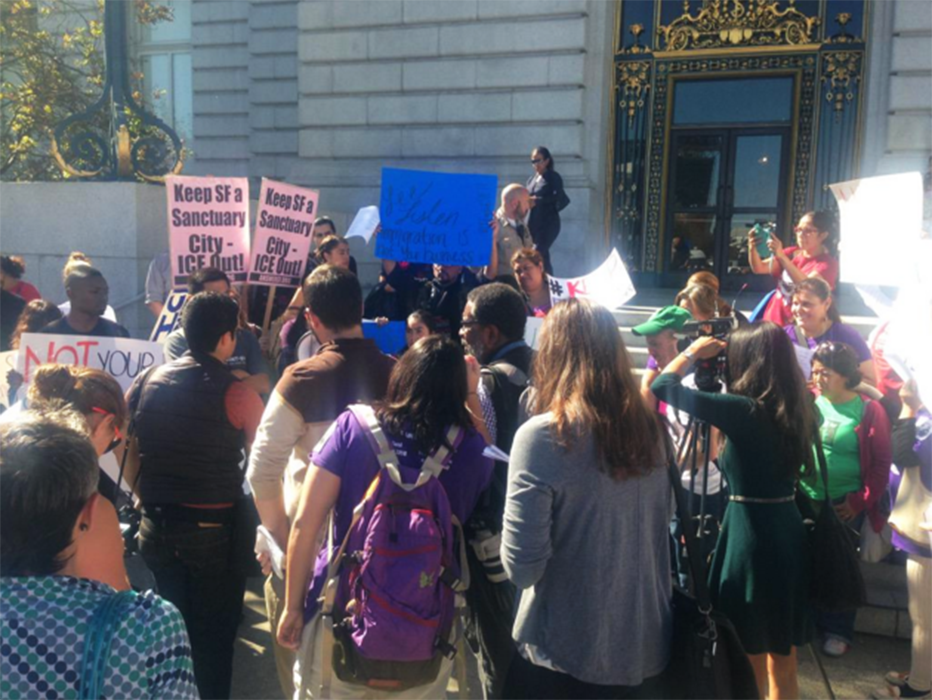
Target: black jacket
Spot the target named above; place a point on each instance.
(189, 451)
(505, 379)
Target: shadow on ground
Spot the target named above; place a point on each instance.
(854, 675)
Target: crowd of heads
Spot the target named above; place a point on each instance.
(582, 377)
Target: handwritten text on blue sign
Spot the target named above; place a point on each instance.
(436, 217)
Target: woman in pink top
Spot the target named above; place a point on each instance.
(812, 257)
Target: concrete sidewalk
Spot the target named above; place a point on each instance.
(852, 676)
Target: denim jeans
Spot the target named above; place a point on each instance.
(490, 614)
(192, 565)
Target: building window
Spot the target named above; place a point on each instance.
(163, 54)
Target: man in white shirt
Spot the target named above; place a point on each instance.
(511, 233)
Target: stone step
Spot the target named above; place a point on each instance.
(887, 609)
(649, 301)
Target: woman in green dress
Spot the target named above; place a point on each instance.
(760, 570)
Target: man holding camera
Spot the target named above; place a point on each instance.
(659, 333)
(695, 444)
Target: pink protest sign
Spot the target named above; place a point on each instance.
(283, 234)
(208, 223)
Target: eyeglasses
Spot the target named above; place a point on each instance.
(117, 435)
(826, 372)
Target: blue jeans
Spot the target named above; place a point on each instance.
(192, 563)
(836, 624)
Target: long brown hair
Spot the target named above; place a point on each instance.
(427, 393)
(582, 375)
(705, 299)
(762, 366)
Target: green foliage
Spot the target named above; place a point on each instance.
(51, 67)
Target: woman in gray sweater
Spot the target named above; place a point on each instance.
(586, 537)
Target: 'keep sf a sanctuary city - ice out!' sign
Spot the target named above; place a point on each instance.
(124, 359)
(436, 217)
(208, 223)
(283, 234)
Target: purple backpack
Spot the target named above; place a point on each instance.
(388, 604)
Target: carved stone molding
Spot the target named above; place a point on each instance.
(733, 23)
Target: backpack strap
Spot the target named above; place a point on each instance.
(101, 629)
(802, 340)
(433, 465)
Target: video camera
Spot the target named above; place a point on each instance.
(710, 373)
(714, 327)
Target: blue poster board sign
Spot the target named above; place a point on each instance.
(390, 338)
(436, 217)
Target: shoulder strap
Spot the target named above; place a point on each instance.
(433, 465)
(511, 373)
(131, 433)
(801, 338)
(696, 568)
(101, 629)
(823, 467)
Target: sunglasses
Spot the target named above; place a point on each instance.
(535, 161)
(117, 435)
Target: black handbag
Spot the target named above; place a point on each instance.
(707, 659)
(836, 583)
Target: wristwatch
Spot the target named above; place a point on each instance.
(689, 355)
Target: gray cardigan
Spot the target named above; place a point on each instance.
(593, 557)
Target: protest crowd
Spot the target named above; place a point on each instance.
(460, 498)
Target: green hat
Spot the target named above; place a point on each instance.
(669, 318)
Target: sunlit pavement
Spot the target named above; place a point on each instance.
(854, 675)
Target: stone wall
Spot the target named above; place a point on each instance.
(120, 226)
(467, 86)
(324, 93)
(898, 124)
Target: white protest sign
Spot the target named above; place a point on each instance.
(609, 285)
(7, 363)
(532, 331)
(909, 334)
(208, 224)
(881, 217)
(364, 224)
(170, 318)
(122, 358)
(283, 234)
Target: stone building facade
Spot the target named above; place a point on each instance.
(323, 93)
(326, 93)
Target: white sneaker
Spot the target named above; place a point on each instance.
(835, 647)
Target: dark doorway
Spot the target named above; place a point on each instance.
(728, 169)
